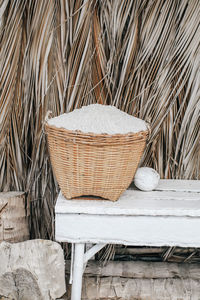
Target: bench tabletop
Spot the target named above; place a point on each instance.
(171, 198)
(170, 215)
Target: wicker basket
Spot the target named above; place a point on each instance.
(94, 164)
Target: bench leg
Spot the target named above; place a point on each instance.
(79, 260)
(77, 271)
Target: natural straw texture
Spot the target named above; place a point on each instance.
(94, 164)
(141, 56)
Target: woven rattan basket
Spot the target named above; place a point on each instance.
(94, 164)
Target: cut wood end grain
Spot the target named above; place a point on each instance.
(31, 270)
(14, 217)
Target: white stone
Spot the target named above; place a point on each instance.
(146, 179)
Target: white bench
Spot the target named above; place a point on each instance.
(168, 216)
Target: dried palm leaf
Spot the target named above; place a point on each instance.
(142, 56)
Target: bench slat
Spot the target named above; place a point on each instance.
(179, 185)
(128, 230)
(168, 216)
(135, 202)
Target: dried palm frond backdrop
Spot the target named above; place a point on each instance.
(143, 56)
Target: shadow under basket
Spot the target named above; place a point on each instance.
(100, 165)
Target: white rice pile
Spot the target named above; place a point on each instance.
(97, 118)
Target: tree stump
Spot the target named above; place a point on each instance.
(14, 217)
(32, 270)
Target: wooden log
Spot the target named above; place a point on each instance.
(31, 270)
(151, 251)
(138, 251)
(117, 288)
(140, 281)
(14, 217)
(140, 270)
(174, 254)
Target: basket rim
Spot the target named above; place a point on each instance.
(100, 135)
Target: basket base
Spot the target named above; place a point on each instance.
(100, 197)
(89, 197)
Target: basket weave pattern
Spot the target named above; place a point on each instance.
(99, 165)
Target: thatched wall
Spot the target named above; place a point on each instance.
(141, 56)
